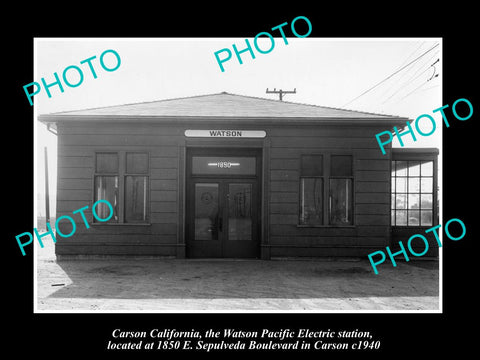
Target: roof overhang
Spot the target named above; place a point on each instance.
(51, 120)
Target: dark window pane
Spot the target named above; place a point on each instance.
(312, 165)
(106, 188)
(311, 201)
(401, 168)
(393, 168)
(426, 201)
(107, 163)
(136, 198)
(341, 165)
(239, 211)
(413, 217)
(401, 217)
(426, 217)
(206, 211)
(137, 163)
(225, 165)
(413, 168)
(341, 204)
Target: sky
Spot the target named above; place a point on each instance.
(387, 76)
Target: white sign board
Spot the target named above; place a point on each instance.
(226, 133)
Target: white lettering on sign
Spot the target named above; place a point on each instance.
(226, 133)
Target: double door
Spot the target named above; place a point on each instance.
(223, 218)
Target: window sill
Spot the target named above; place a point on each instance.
(120, 224)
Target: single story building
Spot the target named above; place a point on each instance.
(230, 176)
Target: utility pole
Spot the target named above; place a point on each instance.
(47, 197)
(281, 92)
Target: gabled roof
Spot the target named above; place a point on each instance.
(222, 106)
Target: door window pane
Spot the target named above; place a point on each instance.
(136, 199)
(311, 201)
(106, 188)
(239, 211)
(224, 165)
(341, 203)
(206, 211)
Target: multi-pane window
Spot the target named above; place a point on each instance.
(326, 177)
(412, 193)
(121, 178)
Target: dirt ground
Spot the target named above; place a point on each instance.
(176, 285)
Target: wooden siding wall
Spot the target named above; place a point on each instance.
(76, 146)
(78, 142)
(371, 188)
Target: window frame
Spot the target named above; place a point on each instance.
(122, 175)
(326, 206)
(421, 155)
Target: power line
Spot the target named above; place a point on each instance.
(403, 63)
(388, 77)
(417, 88)
(409, 81)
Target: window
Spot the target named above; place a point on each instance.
(341, 186)
(412, 193)
(121, 178)
(326, 176)
(106, 184)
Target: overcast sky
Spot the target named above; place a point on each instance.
(326, 72)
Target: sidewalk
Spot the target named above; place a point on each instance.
(231, 285)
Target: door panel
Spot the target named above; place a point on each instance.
(206, 211)
(239, 215)
(223, 203)
(223, 219)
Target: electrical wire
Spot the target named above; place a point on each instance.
(408, 82)
(388, 77)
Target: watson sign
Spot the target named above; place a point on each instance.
(226, 133)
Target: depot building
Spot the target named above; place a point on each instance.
(231, 176)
